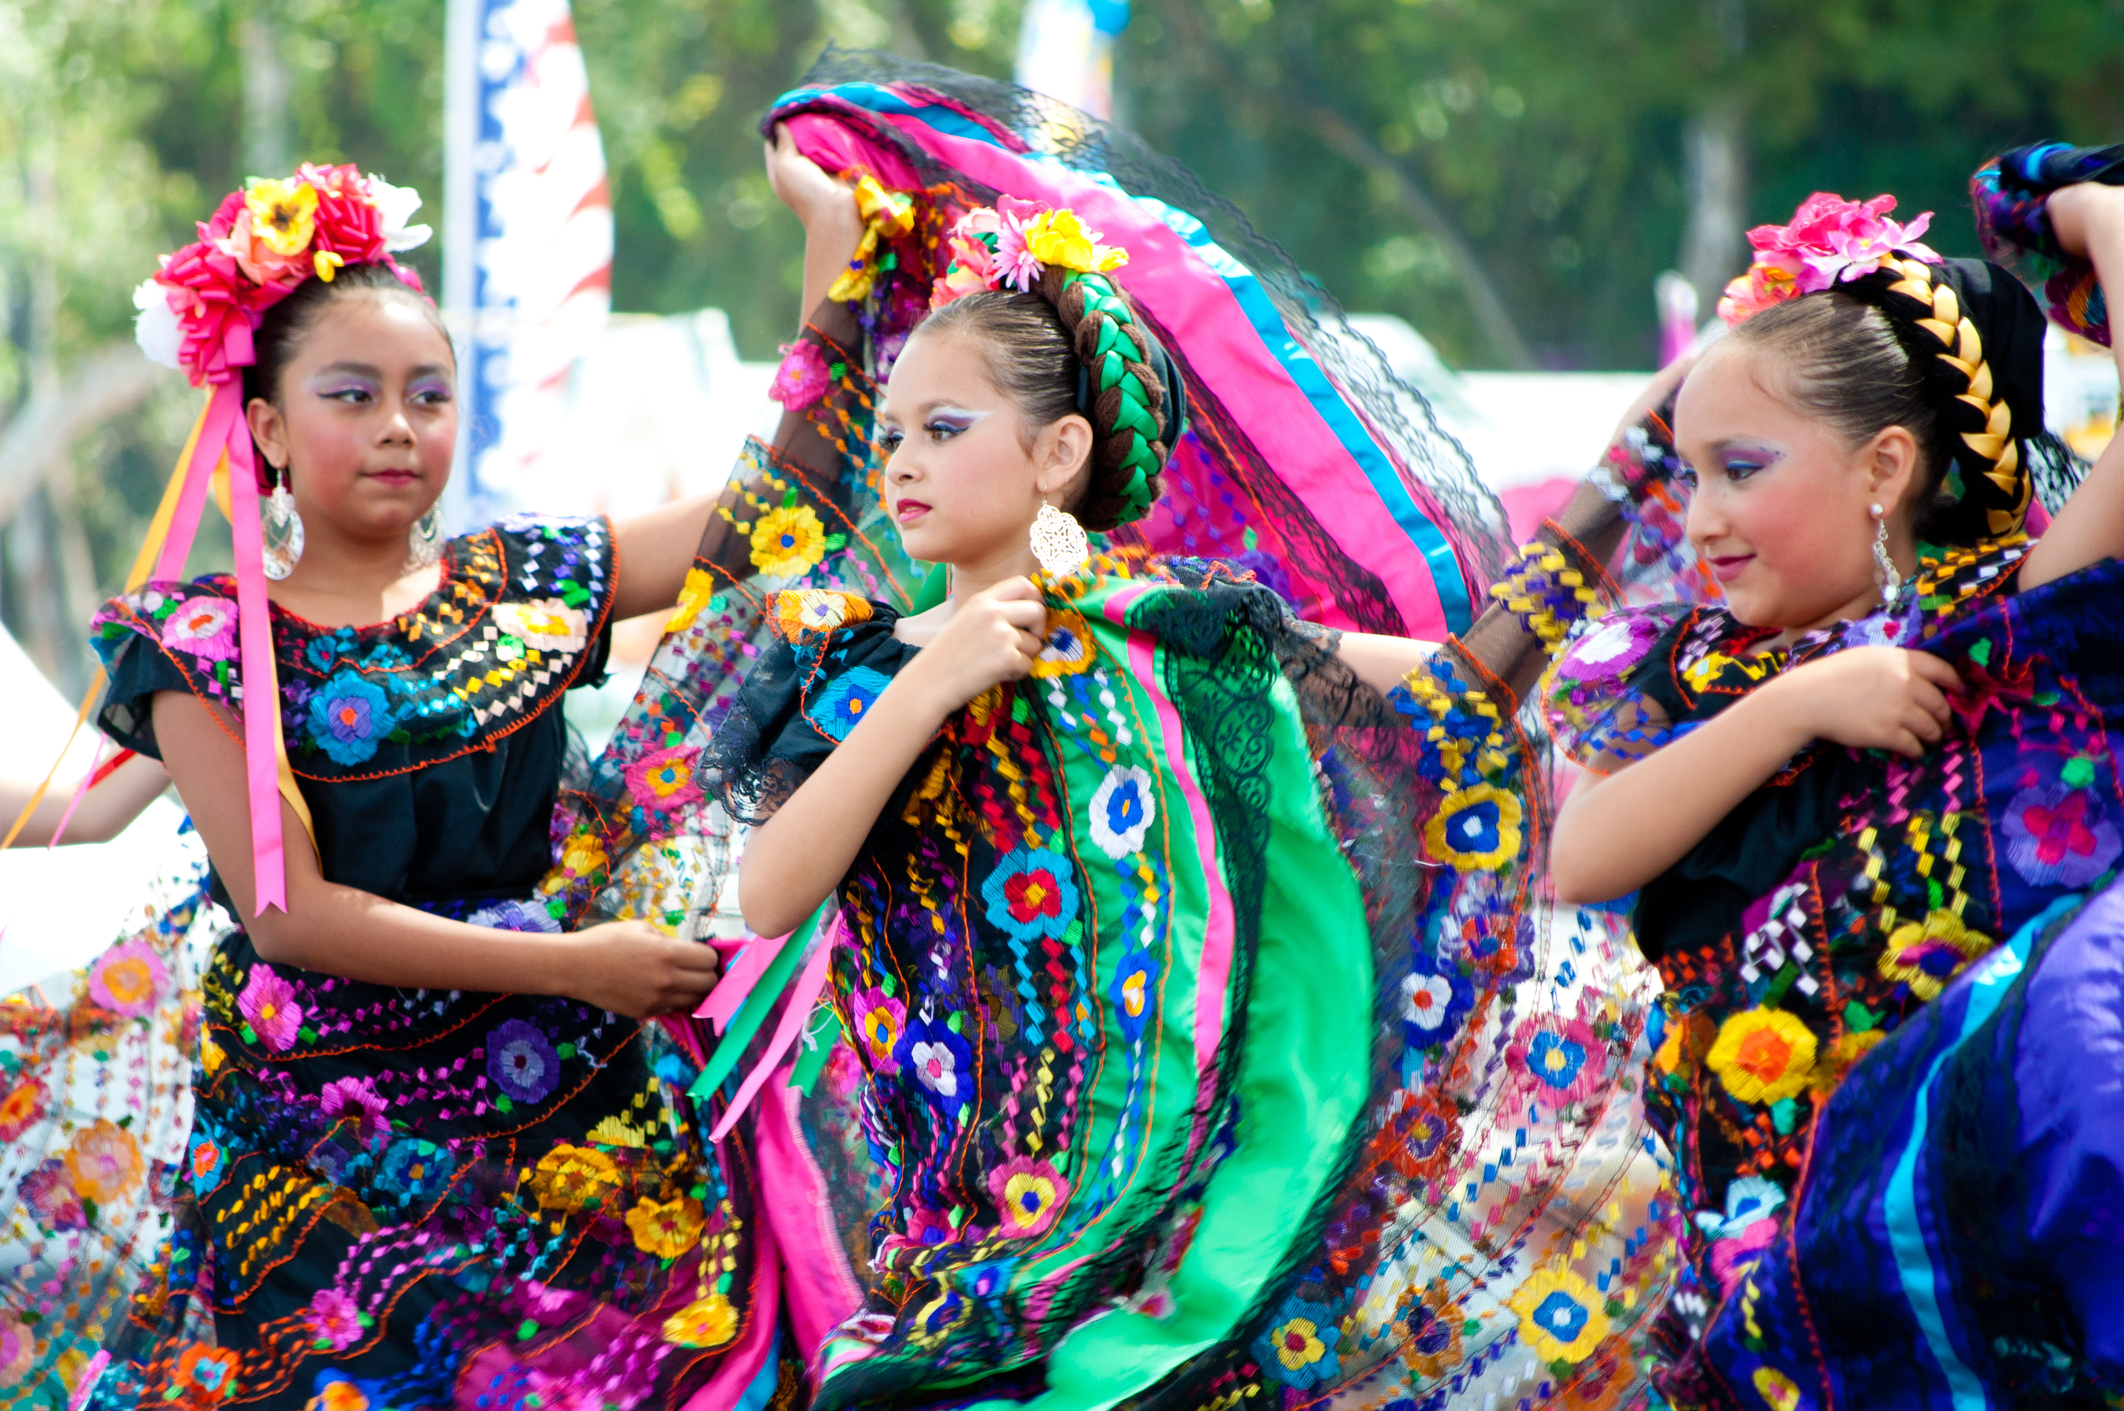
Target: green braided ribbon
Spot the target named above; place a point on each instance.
(1115, 350)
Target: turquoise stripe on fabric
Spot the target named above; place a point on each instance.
(1921, 1278)
(884, 100)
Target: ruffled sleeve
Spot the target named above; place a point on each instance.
(165, 637)
(2012, 196)
(830, 656)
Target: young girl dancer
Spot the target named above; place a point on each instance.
(1882, 755)
(432, 1161)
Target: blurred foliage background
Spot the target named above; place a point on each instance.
(1508, 175)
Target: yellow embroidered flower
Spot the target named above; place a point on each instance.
(1778, 1391)
(700, 587)
(668, 1228)
(339, 1395)
(210, 1056)
(104, 1161)
(1298, 1344)
(546, 624)
(1763, 1055)
(1561, 1318)
(618, 1131)
(788, 541)
(1475, 829)
(1714, 666)
(1069, 647)
(705, 1322)
(1926, 954)
(1059, 238)
(571, 1178)
(583, 855)
(801, 610)
(283, 214)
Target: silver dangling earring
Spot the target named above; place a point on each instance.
(281, 529)
(424, 540)
(1058, 541)
(1884, 574)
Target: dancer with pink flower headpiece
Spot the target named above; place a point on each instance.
(1850, 801)
(432, 1157)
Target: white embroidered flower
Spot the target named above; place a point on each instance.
(1426, 1000)
(157, 330)
(396, 204)
(546, 624)
(1121, 811)
(935, 1068)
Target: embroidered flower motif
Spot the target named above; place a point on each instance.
(667, 1228)
(544, 624)
(1432, 1347)
(521, 1061)
(515, 915)
(880, 1019)
(417, 1171)
(1131, 992)
(48, 1193)
(615, 1130)
(207, 1374)
(1029, 1195)
(1122, 810)
(18, 1349)
(1420, 1134)
(1069, 650)
(1612, 648)
(1744, 1231)
(202, 627)
(1762, 1055)
(839, 708)
(128, 979)
(1778, 1391)
(1475, 829)
(572, 1178)
(1560, 1318)
(802, 378)
(204, 1163)
(1926, 954)
(2056, 836)
(942, 1064)
(1032, 895)
(336, 1393)
(788, 541)
(662, 781)
(1299, 1347)
(705, 1322)
(22, 1107)
(268, 1006)
(695, 595)
(800, 610)
(349, 717)
(1564, 1060)
(1435, 1001)
(583, 854)
(336, 1320)
(355, 1099)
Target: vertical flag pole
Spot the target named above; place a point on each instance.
(462, 25)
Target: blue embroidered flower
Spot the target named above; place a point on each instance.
(521, 1061)
(1031, 895)
(839, 708)
(1132, 992)
(1121, 811)
(941, 1063)
(349, 716)
(416, 1171)
(205, 1162)
(1435, 1002)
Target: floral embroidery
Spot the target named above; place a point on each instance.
(1433, 1346)
(1031, 894)
(571, 1178)
(1130, 992)
(204, 1163)
(797, 611)
(18, 1349)
(1420, 1134)
(522, 1062)
(1565, 1058)
(269, 1009)
(210, 1372)
(1612, 648)
(336, 1321)
(1744, 1231)
(1434, 1003)
(349, 717)
(23, 1105)
(48, 1193)
(203, 626)
(1926, 954)
(1475, 829)
(1778, 1391)
(663, 780)
(2056, 836)
(788, 541)
(544, 624)
(1069, 650)
(802, 378)
(128, 980)
(1560, 1317)
(337, 1394)
(839, 708)
(1122, 811)
(694, 595)
(417, 1171)
(1299, 1347)
(879, 1021)
(941, 1062)
(1762, 1055)
(1028, 1194)
(668, 1228)
(103, 1161)
(705, 1322)
(355, 1099)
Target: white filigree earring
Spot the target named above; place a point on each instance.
(280, 529)
(1884, 573)
(1058, 541)
(424, 540)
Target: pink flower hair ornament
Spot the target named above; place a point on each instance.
(1830, 241)
(1011, 245)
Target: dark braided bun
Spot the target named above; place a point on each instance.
(1079, 330)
